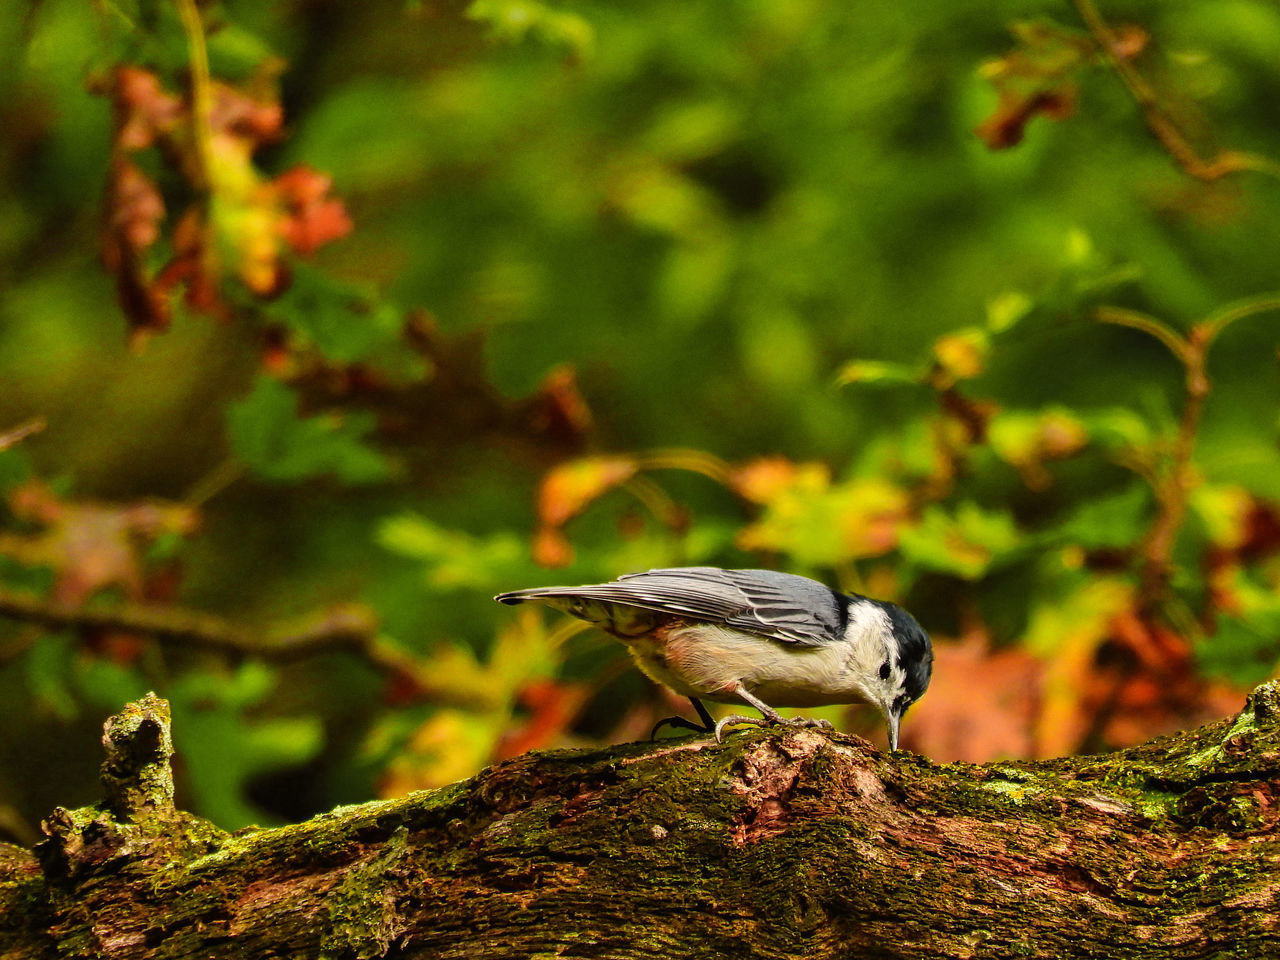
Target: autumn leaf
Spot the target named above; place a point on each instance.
(133, 214)
(142, 110)
(558, 407)
(570, 487)
(91, 546)
(1039, 77)
(1066, 633)
(565, 492)
(765, 478)
(551, 548)
(238, 223)
(961, 355)
(552, 707)
(448, 746)
(1026, 440)
(946, 726)
(818, 522)
(313, 218)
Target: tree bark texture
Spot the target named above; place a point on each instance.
(776, 844)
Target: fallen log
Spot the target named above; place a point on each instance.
(775, 844)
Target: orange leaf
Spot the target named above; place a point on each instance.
(312, 217)
(91, 546)
(1067, 633)
(764, 479)
(240, 117)
(568, 488)
(552, 706)
(240, 223)
(946, 726)
(142, 111)
(962, 354)
(551, 548)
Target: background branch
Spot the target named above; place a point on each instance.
(1161, 125)
(350, 628)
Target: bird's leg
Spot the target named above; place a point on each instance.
(771, 716)
(708, 723)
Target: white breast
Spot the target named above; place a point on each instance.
(706, 661)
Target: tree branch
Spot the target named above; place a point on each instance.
(777, 844)
(351, 628)
(19, 433)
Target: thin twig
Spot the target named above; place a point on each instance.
(1120, 317)
(1214, 324)
(1158, 122)
(214, 482)
(201, 89)
(695, 461)
(21, 432)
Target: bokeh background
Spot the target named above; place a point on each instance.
(321, 323)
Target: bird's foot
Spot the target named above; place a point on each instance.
(733, 720)
(811, 723)
(707, 725)
(680, 723)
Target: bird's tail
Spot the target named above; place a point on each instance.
(620, 619)
(533, 593)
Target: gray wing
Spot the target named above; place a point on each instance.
(778, 605)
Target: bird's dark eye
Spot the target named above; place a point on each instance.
(884, 670)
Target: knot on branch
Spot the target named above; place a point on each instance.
(137, 775)
(1265, 702)
(804, 767)
(136, 819)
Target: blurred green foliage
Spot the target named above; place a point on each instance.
(424, 301)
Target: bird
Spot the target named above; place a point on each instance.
(755, 637)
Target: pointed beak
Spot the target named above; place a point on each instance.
(893, 720)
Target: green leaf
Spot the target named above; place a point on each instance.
(278, 445)
(48, 668)
(15, 468)
(235, 53)
(1119, 428)
(1108, 522)
(1243, 649)
(1005, 309)
(344, 322)
(453, 559)
(223, 749)
(514, 20)
(878, 373)
(967, 544)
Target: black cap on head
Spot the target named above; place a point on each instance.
(915, 651)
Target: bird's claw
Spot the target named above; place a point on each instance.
(814, 723)
(734, 719)
(680, 723)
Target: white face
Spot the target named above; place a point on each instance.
(881, 677)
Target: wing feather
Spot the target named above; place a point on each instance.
(779, 605)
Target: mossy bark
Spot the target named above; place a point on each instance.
(775, 844)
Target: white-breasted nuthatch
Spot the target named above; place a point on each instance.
(756, 637)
